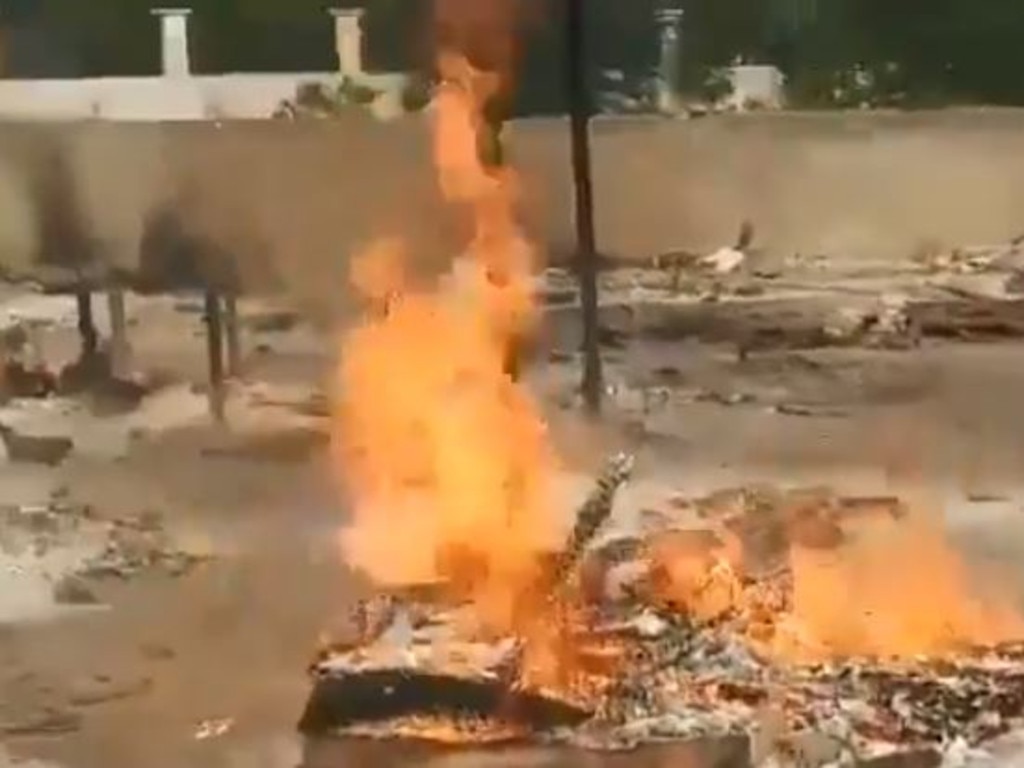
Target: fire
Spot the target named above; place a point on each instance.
(891, 589)
(446, 459)
(449, 467)
(899, 592)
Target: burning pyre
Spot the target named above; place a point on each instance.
(648, 653)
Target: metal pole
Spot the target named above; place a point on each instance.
(234, 341)
(215, 353)
(586, 251)
(86, 324)
(119, 348)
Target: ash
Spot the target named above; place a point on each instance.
(652, 670)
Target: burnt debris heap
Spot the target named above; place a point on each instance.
(653, 666)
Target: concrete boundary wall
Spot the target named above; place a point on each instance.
(848, 185)
(302, 196)
(151, 98)
(241, 96)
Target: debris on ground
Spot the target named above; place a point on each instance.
(92, 690)
(93, 375)
(20, 379)
(71, 589)
(976, 318)
(211, 729)
(314, 404)
(50, 722)
(892, 326)
(966, 260)
(287, 445)
(885, 324)
(35, 449)
(723, 398)
(139, 545)
(116, 548)
(157, 652)
(724, 261)
(638, 399)
(810, 411)
(272, 321)
(682, 271)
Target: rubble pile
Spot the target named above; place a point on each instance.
(137, 545)
(970, 260)
(118, 548)
(649, 661)
(705, 682)
(40, 528)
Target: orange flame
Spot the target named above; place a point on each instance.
(446, 458)
(899, 592)
(891, 589)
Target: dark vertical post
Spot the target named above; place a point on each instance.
(586, 250)
(234, 341)
(86, 323)
(215, 352)
(119, 347)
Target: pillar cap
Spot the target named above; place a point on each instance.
(172, 11)
(668, 15)
(346, 13)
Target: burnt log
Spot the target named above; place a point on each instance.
(346, 699)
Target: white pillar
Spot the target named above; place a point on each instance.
(348, 40)
(669, 21)
(174, 40)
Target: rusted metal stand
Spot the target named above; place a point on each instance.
(86, 324)
(233, 335)
(586, 249)
(119, 347)
(214, 320)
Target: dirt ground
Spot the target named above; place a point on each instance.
(151, 678)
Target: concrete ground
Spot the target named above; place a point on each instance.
(206, 669)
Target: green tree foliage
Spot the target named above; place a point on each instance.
(924, 51)
(920, 51)
(108, 37)
(261, 35)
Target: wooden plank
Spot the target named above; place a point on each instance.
(376, 696)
